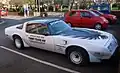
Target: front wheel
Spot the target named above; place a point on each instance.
(98, 26)
(78, 56)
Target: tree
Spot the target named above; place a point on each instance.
(16, 2)
(29, 1)
(21, 2)
(71, 4)
(1, 5)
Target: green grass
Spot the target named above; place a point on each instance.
(115, 8)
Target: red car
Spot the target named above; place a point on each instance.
(111, 18)
(3, 12)
(85, 18)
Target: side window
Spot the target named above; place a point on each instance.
(37, 28)
(85, 14)
(73, 13)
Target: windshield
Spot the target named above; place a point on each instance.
(58, 27)
(93, 13)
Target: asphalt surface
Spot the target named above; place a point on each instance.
(14, 63)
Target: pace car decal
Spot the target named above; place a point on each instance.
(84, 34)
(37, 39)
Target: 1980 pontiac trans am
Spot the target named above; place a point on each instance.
(80, 45)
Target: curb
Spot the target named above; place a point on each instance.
(17, 17)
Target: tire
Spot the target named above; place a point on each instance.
(110, 21)
(78, 56)
(18, 42)
(98, 26)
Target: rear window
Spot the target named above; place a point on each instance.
(93, 13)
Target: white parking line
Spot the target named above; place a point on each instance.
(40, 61)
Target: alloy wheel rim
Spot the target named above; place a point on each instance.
(98, 26)
(76, 57)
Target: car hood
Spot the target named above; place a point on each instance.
(90, 35)
(108, 15)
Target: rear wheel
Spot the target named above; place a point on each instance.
(18, 42)
(98, 26)
(78, 56)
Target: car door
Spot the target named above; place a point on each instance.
(38, 36)
(86, 19)
(74, 18)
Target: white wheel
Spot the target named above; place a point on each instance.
(75, 57)
(78, 56)
(98, 26)
(18, 43)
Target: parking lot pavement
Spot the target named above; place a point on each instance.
(12, 62)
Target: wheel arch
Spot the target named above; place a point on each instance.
(98, 23)
(25, 44)
(15, 35)
(69, 47)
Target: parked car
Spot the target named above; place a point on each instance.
(80, 45)
(3, 12)
(111, 18)
(85, 18)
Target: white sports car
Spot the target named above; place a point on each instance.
(80, 45)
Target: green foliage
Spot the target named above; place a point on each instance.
(1, 5)
(29, 2)
(21, 2)
(16, 2)
(116, 6)
(12, 10)
(21, 10)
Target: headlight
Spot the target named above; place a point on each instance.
(113, 44)
(114, 17)
(105, 20)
